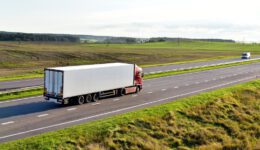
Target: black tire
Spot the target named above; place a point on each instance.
(81, 100)
(137, 89)
(121, 92)
(95, 97)
(88, 98)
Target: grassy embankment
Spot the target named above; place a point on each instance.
(21, 94)
(39, 91)
(18, 61)
(223, 119)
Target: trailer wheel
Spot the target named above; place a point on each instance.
(95, 97)
(88, 98)
(81, 100)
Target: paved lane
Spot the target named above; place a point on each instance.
(33, 116)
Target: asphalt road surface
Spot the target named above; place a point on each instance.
(31, 116)
(9, 85)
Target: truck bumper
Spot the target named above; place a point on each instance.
(53, 100)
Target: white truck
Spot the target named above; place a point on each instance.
(246, 55)
(88, 83)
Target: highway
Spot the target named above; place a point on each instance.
(32, 116)
(8, 85)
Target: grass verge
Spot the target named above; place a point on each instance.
(223, 119)
(21, 94)
(33, 74)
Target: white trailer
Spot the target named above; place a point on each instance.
(87, 83)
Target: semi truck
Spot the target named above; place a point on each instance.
(89, 83)
(246, 55)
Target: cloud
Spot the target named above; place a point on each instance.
(233, 19)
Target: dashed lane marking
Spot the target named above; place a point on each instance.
(71, 109)
(96, 104)
(43, 115)
(6, 123)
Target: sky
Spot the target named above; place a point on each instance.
(228, 19)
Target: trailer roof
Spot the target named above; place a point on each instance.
(80, 67)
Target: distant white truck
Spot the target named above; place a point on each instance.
(246, 55)
(87, 83)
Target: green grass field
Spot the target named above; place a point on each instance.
(223, 119)
(26, 57)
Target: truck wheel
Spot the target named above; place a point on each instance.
(121, 92)
(88, 98)
(81, 100)
(137, 89)
(95, 97)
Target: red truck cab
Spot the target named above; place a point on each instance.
(138, 77)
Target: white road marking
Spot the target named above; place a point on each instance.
(149, 92)
(197, 82)
(71, 109)
(134, 95)
(6, 123)
(117, 99)
(43, 115)
(176, 87)
(187, 85)
(95, 104)
(164, 89)
(124, 109)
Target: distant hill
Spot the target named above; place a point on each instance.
(17, 36)
(46, 37)
(166, 39)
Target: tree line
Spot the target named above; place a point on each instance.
(5, 36)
